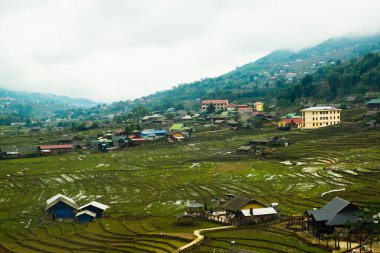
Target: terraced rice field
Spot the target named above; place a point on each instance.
(265, 240)
(147, 186)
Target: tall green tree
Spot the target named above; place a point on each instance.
(211, 108)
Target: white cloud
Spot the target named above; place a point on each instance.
(114, 50)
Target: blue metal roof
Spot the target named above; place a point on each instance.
(145, 132)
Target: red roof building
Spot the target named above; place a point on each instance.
(244, 107)
(290, 122)
(220, 104)
(55, 149)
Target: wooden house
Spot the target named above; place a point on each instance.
(10, 155)
(244, 107)
(243, 210)
(136, 139)
(95, 207)
(61, 207)
(245, 150)
(177, 135)
(186, 218)
(337, 213)
(373, 105)
(290, 123)
(231, 107)
(55, 149)
(67, 139)
(85, 216)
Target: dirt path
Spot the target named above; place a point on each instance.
(200, 237)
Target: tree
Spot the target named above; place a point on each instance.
(280, 83)
(179, 106)
(129, 128)
(211, 108)
(334, 79)
(138, 112)
(170, 115)
(307, 85)
(28, 123)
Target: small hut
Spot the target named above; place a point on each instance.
(196, 208)
(85, 216)
(95, 207)
(61, 206)
(186, 218)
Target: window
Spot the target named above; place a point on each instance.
(313, 124)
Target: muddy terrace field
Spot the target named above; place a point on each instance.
(147, 186)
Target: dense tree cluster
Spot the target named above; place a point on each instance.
(352, 77)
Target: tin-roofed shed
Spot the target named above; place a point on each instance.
(85, 216)
(61, 206)
(95, 207)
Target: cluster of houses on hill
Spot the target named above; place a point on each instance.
(311, 117)
(233, 209)
(105, 142)
(222, 104)
(225, 115)
(61, 207)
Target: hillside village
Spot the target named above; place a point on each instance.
(284, 157)
(214, 115)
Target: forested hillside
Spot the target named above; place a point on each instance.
(357, 77)
(282, 70)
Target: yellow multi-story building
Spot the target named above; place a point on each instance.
(320, 116)
(258, 106)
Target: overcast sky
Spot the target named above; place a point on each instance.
(110, 50)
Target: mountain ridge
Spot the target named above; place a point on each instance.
(47, 97)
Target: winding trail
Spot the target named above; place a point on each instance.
(200, 237)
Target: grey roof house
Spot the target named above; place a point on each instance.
(337, 213)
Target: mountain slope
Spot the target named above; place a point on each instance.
(42, 98)
(276, 70)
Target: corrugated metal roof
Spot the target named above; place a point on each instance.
(374, 101)
(341, 219)
(86, 212)
(259, 211)
(195, 205)
(320, 108)
(60, 198)
(236, 203)
(146, 132)
(336, 212)
(95, 204)
(292, 120)
(66, 146)
(216, 101)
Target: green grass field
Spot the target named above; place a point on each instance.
(147, 186)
